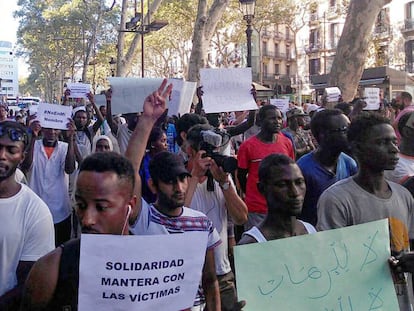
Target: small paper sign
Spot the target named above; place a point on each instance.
(372, 98)
(54, 116)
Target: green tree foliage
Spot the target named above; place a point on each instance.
(60, 38)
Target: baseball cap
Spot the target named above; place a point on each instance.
(295, 112)
(167, 166)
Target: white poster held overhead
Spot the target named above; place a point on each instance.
(79, 90)
(181, 96)
(54, 116)
(281, 103)
(332, 94)
(128, 94)
(227, 89)
(372, 98)
(100, 100)
(145, 273)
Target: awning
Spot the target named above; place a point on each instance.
(260, 87)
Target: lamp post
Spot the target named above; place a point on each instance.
(143, 25)
(247, 7)
(112, 64)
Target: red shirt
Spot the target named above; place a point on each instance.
(250, 154)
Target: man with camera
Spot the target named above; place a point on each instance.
(212, 191)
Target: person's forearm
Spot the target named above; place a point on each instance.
(192, 186)
(28, 159)
(70, 157)
(109, 119)
(242, 177)
(235, 206)
(212, 293)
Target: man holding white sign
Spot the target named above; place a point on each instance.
(49, 160)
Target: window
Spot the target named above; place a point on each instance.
(264, 70)
(314, 66)
(287, 33)
(409, 10)
(409, 55)
(314, 39)
(333, 35)
(277, 69)
(288, 54)
(287, 70)
(264, 47)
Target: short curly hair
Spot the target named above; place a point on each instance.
(362, 124)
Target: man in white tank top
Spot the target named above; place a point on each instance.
(282, 184)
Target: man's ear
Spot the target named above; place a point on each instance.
(183, 135)
(152, 186)
(260, 187)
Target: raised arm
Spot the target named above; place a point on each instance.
(28, 159)
(113, 125)
(98, 113)
(154, 107)
(70, 154)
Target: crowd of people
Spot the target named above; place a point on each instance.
(242, 177)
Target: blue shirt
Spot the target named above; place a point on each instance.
(318, 179)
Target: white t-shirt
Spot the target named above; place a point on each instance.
(403, 170)
(152, 222)
(123, 135)
(213, 205)
(49, 180)
(26, 233)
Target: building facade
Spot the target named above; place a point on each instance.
(9, 78)
(391, 45)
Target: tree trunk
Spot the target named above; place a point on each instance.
(204, 28)
(348, 65)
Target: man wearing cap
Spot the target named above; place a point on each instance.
(168, 215)
(26, 226)
(302, 140)
(48, 161)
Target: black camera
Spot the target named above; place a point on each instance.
(212, 142)
(229, 164)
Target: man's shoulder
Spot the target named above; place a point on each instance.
(343, 185)
(306, 159)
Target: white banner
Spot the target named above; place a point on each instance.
(181, 96)
(128, 94)
(227, 89)
(145, 273)
(332, 94)
(372, 98)
(281, 103)
(54, 116)
(100, 100)
(79, 90)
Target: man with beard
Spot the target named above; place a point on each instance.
(48, 161)
(26, 231)
(168, 215)
(368, 196)
(252, 151)
(328, 163)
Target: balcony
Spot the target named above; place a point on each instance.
(266, 34)
(314, 19)
(278, 36)
(272, 54)
(313, 48)
(382, 32)
(408, 28)
(332, 12)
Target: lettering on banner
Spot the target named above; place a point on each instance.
(147, 293)
(319, 281)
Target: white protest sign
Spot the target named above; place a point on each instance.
(54, 116)
(227, 89)
(372, 98)
(100, 100)
(181, 96)
(281, 103)
(79, 90)
(145, 273)
(128, 94)
(33, 109)
(332, 94)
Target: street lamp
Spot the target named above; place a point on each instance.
(247, 7)
(112, 64)
(137, 25)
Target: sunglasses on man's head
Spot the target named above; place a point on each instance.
(13, 133)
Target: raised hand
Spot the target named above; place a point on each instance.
(155, 103)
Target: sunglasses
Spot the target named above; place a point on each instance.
(14, 134)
